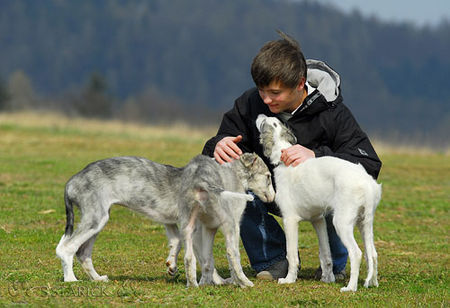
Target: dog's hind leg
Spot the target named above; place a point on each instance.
(326, 262)
(344, 226)
(189, 255)
(290, 223)
(173, 236)
(198, 248)
(88, 227)
(84, 255)
(366, 229)
(198, 244)
(66, 255)
(205, 254)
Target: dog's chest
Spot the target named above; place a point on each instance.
(299, 194)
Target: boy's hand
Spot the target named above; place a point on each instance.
(296, 154)
(227, 150)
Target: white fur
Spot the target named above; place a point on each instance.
(318, 186)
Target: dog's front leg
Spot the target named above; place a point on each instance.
(173, 237)
(326, 262)
(231, 234)
(290, 223)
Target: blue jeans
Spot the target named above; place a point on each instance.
(265, 242)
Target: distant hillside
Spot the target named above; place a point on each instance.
(189, 54)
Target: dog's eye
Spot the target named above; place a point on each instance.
(275, 125)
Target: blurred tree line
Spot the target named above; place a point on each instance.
(169, 60)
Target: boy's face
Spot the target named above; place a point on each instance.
(280, 98)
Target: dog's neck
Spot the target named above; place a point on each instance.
(275, 157)
(240, 172)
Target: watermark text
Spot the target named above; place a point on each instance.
(25, 289)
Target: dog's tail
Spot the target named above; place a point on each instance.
(226, 195)
(69, 212)
(376, 194)
(205, 193)
(372, 196)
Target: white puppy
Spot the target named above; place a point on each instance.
(314, 188)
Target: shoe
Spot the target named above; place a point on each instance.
(337, 276)
(275, 271)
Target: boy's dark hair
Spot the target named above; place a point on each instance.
(280, 61)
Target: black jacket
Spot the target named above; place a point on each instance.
(322, 123)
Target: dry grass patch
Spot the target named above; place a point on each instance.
(56, 121)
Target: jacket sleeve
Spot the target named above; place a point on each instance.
(234, 122)
(349, 142)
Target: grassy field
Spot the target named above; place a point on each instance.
(39, 153)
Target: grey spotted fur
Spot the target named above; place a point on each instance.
(200, 197)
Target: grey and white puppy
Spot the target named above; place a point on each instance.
(203, 193)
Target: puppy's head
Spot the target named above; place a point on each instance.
(273, 131)
(258, 176)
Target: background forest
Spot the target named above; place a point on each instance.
(164, 61)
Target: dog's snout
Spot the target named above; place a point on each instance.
(270, 197)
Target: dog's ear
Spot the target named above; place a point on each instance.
(266, 139)
(248, 159)
(260, 121)
(268, 145)
(288, 135)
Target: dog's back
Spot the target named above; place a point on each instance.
(319, 181)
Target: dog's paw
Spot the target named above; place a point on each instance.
(228, 281)
(103, 278)
(285, 280)
(71, 279)
(328, 278)
(206, 281)
(371, 283)
(172, 268)
(245, 283)
(172, 271)
(348, 289)
(192, 284)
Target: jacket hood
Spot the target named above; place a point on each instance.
(325, 92)
(324, 79)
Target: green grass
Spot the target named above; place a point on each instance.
(39, 154)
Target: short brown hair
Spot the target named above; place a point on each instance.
(281, 60)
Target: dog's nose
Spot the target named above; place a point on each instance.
(270, 197)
